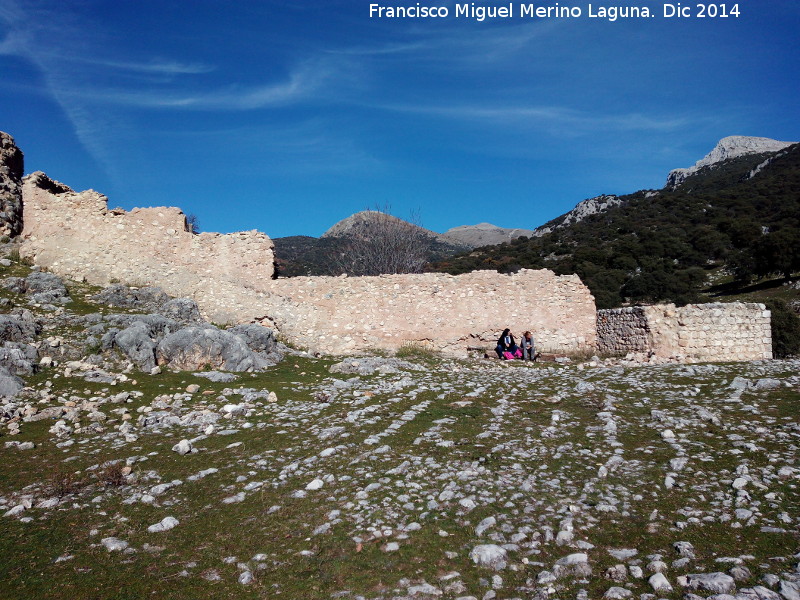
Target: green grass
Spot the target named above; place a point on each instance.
(414, 350)
(482, 427)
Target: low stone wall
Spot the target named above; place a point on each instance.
(230, 277)
(693, 333)
(445, 312)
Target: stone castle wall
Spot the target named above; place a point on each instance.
(693, 333)
(230, 277)
(76, 235)
(623, 330)
(445, 312)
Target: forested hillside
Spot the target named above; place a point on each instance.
(738, 220)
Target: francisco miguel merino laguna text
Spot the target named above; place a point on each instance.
(612, 13)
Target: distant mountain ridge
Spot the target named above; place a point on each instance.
(483, 234)
(727, 148)
(463, 236)
(327, 255)
(306, 255)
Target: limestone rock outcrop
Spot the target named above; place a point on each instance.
(197, 348)
(137, 345)
(583, 209)
(11, 167)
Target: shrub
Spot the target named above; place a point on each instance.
(785, 329)
(416, 350)
(95, 347)
(64, 483)
(192, 223)
(112, 475)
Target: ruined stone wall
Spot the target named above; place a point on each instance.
(716, 331)
(76, 235)
(693, 333)
(623, 330)
(445, 312)
(230, 277)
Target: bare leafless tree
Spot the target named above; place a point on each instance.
(384, 244)
(192, 223)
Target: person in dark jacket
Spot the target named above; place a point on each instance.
(506, 343)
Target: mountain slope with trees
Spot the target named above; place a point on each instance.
(738, 218)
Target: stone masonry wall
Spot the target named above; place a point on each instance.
(76, 235)
(445, 312)
(716, 331)
(230, 277)
(693, 333)
(622, 330)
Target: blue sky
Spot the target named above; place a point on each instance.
(288, 115)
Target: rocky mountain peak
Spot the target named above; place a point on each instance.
(483, 234)
(729, 147)
(359, 223)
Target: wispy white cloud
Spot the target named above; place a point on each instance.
(155, 66)
(13, 43)
(292, 148)
(39, 36)
(301, 83)
(382, 49)
(544, 116)
(11, 12)
(458, 46)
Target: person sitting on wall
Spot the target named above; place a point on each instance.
(528, 346)
(506, 343)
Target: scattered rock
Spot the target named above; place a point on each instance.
(217, 376)
(617, 593)
(490, 556)
(113, 544)
(716, 583)
(165, 524)
(183, 447)
(660, 584)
